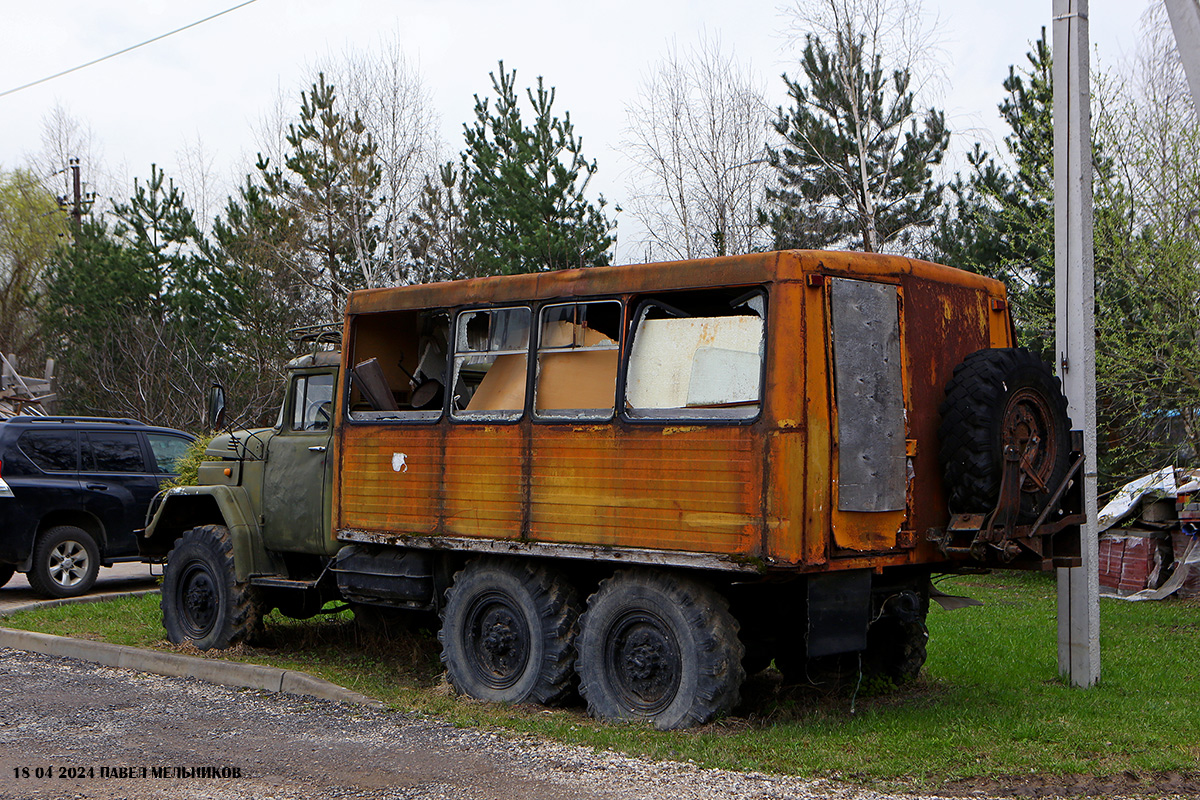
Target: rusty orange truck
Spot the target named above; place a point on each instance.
(640, 481)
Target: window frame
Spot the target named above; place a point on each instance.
(34, 434)
(289, 417)
(569, 418)
(423, 416)
(639, 304)
(93, 468)
(153, 455)
(496, 416)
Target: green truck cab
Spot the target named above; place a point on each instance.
(255, 533)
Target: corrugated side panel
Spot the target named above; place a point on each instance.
(390, 479)
(483, 481)
(693, 489)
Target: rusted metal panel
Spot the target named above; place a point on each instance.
(627, 555)
(869, 396)
(595, 281)
(484, 489)
(785, 503)
(945, 322)
(390, 478)
(654, 486)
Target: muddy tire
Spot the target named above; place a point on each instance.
(897, 641)
(999, 397)
(202, 600)
(66, 562)
(659, 647)
(508, 632)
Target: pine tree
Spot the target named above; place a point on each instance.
(329, 181)
(855, 167)
(435, 236)
(523, 188)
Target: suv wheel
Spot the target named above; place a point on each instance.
(66, 561)
(6, 573)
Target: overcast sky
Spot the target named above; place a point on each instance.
(214, 82)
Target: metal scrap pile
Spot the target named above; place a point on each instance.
(1149, 534)
(21, 395)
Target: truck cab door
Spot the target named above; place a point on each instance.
(297, 482)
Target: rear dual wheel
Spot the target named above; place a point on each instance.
(652, 646)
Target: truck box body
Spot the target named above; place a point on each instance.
(794, 487)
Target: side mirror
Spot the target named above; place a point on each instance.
(216, 407)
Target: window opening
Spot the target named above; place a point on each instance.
(490, 364)
(399, 371)
(697, 355)
(577, 360)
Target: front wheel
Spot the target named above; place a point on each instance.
(202, 600)
(6, 573)
(66, 562)
(659, 647)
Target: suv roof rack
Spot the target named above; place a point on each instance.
(110, 420)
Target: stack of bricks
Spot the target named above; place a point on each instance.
(1189, 519)
(1191, 585)
(1127, 562)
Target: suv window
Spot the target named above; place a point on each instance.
(167, 450)
(51, 451)
(113, 452)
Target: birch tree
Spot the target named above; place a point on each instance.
(697, 134)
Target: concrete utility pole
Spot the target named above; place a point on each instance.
(1075, 340)
(1185, 23)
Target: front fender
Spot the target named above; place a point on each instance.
(185, 507)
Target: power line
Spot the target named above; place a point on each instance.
(126, 50)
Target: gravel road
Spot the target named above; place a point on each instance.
(95, 732)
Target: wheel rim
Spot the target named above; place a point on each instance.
(1028, 425)
(197, 600)
(641, 656)
(497, 640)
(69, 563)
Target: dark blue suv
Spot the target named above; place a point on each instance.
(73, 490)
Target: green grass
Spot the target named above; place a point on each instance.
(989, 704)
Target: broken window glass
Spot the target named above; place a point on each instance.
(697, 355)
(491, 354)
(577, 360)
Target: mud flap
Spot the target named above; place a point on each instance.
(839, 611)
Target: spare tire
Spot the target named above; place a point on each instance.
(998, 397)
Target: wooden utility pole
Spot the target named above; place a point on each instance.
(1075, 339)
